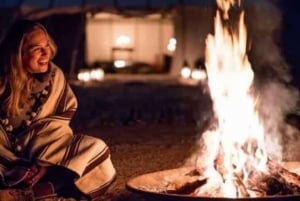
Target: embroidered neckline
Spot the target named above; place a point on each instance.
(14, 133)
(40, 98)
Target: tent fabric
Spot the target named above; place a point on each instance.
(38, 8)
(118, 3)
(130, 4)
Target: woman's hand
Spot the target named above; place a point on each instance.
(34, 175)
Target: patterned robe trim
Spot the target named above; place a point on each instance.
(97, 179)
(63, 100)
(50, 140)
(98, 160)
(71, 150)
(102, 189)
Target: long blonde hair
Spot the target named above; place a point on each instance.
(13, 72)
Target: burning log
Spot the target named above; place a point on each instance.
(290, 177)
(278, 181)
(187, 183)
(282, 181)
(242, 189)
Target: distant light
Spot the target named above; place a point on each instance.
(84, 75)
(185, 72)
(93, 74)
(97, 74)
(123, 40)
(119, 63)
(172, 45)
(173, 40)
(198, 74)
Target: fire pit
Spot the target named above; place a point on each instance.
(155, 186)
(236, 160)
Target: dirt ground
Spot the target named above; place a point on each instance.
(139, 149)
(136, 149)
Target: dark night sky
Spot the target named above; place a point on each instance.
(118, 3)
(291, 27)
(291, 35)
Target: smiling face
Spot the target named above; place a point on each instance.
(36, 51)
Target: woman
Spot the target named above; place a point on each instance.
(37, 147)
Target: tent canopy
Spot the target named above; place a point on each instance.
(38, 8)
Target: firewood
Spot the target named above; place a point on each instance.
(255, 184)
(276, 181)
(186, 184)
(289, 177)
(242, 190)
(256, 193)
(184, 188)
(212, 188)
(278, 186)
(219, 161)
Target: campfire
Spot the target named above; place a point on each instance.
(234, 161)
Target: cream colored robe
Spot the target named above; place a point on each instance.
(50, 140)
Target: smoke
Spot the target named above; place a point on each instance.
(275, 101)
(263, 20)
(276, 96)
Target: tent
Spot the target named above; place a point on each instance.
(10, 10)
(38, 9)
(191, 23)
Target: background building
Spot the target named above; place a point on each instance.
(87, 31)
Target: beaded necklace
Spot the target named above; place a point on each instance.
(14, 133)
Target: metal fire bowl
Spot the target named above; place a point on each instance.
(151, 186)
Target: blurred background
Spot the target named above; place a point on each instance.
(144, 36)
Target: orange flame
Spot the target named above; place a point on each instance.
(240, 134)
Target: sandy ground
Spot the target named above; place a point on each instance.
(139, 149)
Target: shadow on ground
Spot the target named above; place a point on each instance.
(139, 149)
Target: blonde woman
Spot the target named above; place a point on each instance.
(38, 150)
